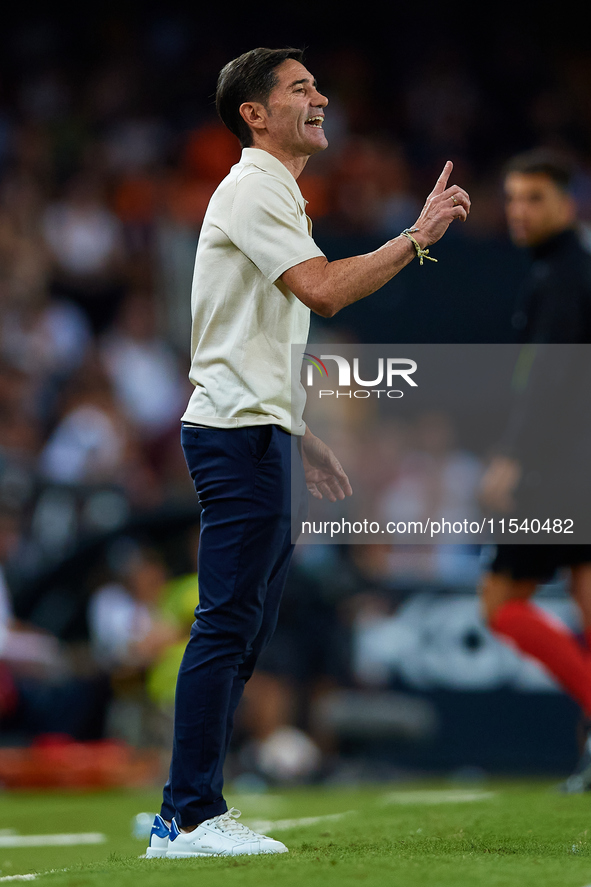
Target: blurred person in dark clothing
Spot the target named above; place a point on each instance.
(42, 689)
(555, 307)
(85, 240)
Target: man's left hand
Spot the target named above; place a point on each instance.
(324, 473)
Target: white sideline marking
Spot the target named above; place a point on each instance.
(50, 840)
(279, 825)
(443, 796)
(32, 876)
(18, 878)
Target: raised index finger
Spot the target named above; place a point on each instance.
(441, 183)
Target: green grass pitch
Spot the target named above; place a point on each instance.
(500, 834)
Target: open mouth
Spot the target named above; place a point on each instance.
(315, 121)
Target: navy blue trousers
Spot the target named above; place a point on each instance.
(243, 477)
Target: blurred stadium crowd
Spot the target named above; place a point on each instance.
(109, 152)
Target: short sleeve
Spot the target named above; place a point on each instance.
(268, 226)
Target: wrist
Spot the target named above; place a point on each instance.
(421, 252)
(420, 237)
(409, 245)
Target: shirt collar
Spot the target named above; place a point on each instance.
(268, 163)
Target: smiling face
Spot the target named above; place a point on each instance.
(536, 208)
(289, 124)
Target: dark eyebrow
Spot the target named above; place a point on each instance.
(303, 80)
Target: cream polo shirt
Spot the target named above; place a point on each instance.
(244, 318)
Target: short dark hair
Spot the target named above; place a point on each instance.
(547, 161)
(249, 78)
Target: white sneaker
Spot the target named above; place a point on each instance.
(159, 837)
(220, 836)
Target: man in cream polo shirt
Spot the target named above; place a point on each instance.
(255, 229)
(258, 273)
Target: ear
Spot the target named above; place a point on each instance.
(254, 114)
